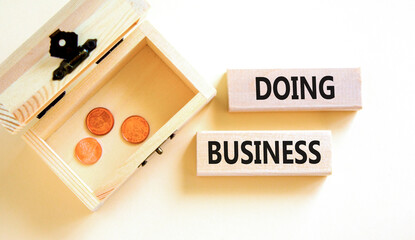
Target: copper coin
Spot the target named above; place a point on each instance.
(135, 129)
(88, 151)
(99, 121)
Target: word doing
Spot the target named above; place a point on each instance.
(281, 94)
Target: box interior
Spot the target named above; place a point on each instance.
(142, 83)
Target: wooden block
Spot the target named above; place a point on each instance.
(294, 89)
(264, 153)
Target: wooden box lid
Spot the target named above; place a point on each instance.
(26, 85)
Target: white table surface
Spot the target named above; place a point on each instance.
(370, 194)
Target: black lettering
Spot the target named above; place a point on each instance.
(295, 94)
(287, 88)
(286, 151)
(258, 81)
(246, 152)
(315, 152)
(330, 89)
(215, 151)
(311, 90)
(257, 152)
(274, 154)
(226, 152)
(301, 152)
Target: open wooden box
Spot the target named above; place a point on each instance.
(143, 75)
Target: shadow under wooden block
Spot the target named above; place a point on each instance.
(242, 185)
(222, 119)
(217, 117)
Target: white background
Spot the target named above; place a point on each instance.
(370, 194)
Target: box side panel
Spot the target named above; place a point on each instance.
(131, 164)
(26, 93)
(89, 85)
(62, 170)
(176, 62)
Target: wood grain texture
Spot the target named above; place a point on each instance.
(8, 121)
(33, 49)
(203, 93)
(243, 96)
(145, 86)
(129, 166)
(63, 170)
(263, 162)
(90, 84)
(27, 75)
(176, 62)
(141, 77)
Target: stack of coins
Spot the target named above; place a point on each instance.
(100, 121)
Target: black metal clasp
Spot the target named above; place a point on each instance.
(65, 45)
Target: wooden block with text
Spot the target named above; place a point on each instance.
(264, 153)
(336, 89)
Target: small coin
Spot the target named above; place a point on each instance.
(135, 129)
(88, 151)
(99, 121)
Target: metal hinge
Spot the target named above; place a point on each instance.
(65, 45)
(158, 150)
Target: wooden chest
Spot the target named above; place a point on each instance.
(132, 70)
